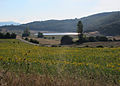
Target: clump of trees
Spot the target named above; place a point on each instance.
(82, 38)
(40, 35)
(26, 39)
(53, 37)
(32, 40)
(101, 38)
(7, 35)
(66, 40)
(26, 33)
(100, 46)
(97, 38)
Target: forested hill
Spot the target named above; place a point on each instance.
(91, 23)
(68, 25)
(111, 29)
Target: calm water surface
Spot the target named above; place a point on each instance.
(48, 34)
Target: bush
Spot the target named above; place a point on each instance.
(26, 39)
(99, 46)
(45, 37)
(81, 39)
(110, 40)
(1, 35)
(40, 35)
(91, 39)
(13, 35)
(86, 46)
(54, 46)
(101, 38)
(114, 39)
(66, 40)
(111, 46)
(53, 37)
(34, 41)
(7, 36)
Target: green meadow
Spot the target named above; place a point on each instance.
(95, 64)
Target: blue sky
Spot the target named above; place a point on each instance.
(24, 11)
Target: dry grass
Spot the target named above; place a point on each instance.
(93, 67)
(44, 41)
(95, 44)
(48, 41)
(22, 79)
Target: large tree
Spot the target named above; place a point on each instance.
(80, 31)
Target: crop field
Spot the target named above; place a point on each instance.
(93, 64)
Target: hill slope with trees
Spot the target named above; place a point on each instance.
(111, 29)
(96, 22)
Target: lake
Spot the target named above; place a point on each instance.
(54, 34)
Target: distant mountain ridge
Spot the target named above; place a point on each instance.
(8, 23)
(98, 22)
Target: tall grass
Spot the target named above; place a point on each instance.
(59, 65)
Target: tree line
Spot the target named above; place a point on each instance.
(69, 40)
(32, 40)
(7, 35)
(82, 38)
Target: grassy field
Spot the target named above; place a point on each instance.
(62, 66)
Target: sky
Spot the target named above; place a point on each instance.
(24, 11)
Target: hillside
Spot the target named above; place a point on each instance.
(49, 25)
(91, 23)
(54, 25)
(95, 22)
(111, 29)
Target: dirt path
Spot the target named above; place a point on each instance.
(19, 38)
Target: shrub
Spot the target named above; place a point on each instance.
(114, 39)
(111, 46)
(7, 36)
(101, 38)
(86, 46)
(100, 46)
(13, 35)
(54, 46)
(45, 37)
(34, 41)
(91, 39)
(26, 39)
(110, 40)
(66, 40)
(40, 35)
(53, 37)
(82, 39)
